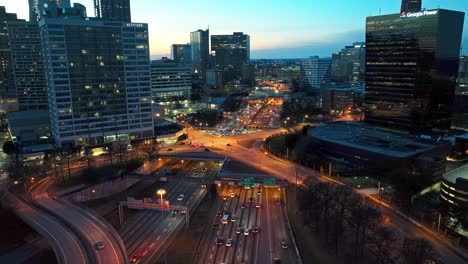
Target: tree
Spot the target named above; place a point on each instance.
(417, 250)
(290, 141)
(9, 148)
(364, 215)
(305, 130)
(382, 240)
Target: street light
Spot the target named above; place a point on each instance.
(161, 192)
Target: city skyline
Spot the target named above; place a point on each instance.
(300, 38)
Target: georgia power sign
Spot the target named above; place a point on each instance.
(419, 14)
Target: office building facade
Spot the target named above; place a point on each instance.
(411, 68)
(28, 66)
(113, 10)
(98, 81)
(315, 71)
(231, 53)
(182, 54)
(348, 65)
(7, 85)
(170, 82)
(410, 6)
(200, 44)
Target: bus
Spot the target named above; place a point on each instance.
(225, 219)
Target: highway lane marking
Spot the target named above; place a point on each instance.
(268, 223)
(170, 224)
(211, 256)
(158, 237)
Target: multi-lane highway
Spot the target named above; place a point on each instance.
(147, 233)
(257, 233)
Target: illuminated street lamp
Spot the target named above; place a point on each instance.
(161, 192)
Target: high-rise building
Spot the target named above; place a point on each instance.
(36, 7)
(200, 43)
(181, 54)
(411, 69)
(98, 81)
(28, 67)
(231, 52)
(408, 6)
(315, 71)
(460, 111)
(170, 82)
(348, 65)
(113, 10)
(7, 85)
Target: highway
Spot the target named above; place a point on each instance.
(147, 233)
(249, 152)
(67, 247)
(261, 247)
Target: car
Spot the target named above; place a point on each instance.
(180, 198)
(246, 232)
(259, 192)
(284, 244)
(182, 143)
(276, 261)
(234, 218)
(218, 214)
(228, 144)
(256, 229)
(242, 206)
(228, 242)
(258, 205)
(207, 150)
(134, 259)
(203, 185)
(238, 230)
(174, 213)
(225, 198)
(277, 202)
(232, 195)
(169, 149)
(183, 212)
(215, 226)
(204, 170)
(251, 200)
(219, 241)
(99, 245)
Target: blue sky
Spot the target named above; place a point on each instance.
(278, 28)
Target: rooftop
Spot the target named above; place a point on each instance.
(461, 172)
(371, 138)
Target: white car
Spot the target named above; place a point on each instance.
(180, 198)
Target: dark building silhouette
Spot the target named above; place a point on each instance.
(200, 44)
(113, 10)
(7, 86)
(411, 69)
(408, 6)
(181, 54)
(232, 51)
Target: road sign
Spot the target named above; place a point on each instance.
(247, 182)
(269, 182)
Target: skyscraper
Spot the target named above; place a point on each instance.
(348, 65)
(315, 71)
(408, 6)
(98, 81)
(28, 67)
(113, 10)
(411, 68)
(181, 54)
(7, 85)
(36, 7)
(231, 52)
(200, 43)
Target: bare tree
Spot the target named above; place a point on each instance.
(417, 250)
(382, 240)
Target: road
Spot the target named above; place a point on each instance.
(249, 152)
(147, 233)
(66, 245)
(261, 247)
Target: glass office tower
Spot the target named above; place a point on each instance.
(232, 51)
(98, 80)
(411, 69)
(200, 44)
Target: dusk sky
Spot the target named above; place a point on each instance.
(277, 29)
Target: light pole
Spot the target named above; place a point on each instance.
(162, 192)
